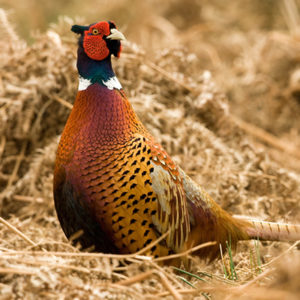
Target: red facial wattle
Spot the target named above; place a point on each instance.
(94, 45)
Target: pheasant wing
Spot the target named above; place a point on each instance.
(172, 213)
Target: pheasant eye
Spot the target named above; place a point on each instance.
(95, 31)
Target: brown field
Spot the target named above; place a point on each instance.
(216, 82)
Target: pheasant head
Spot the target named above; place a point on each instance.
(96, 44)
(100, 40)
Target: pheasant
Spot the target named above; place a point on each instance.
(117, 186)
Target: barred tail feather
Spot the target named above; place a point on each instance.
(270, 231)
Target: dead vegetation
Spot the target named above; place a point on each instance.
(234, 129)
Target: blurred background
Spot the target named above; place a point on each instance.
(171, 17)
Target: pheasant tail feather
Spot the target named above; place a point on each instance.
(271, 231)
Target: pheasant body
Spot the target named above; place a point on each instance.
(112, 171)
(115, 183)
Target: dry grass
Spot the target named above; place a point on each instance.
(235, 130)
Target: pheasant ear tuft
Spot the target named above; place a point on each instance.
(79, 29)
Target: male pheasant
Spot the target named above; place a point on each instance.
(114, 182)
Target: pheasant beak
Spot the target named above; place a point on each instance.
(116, 35)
